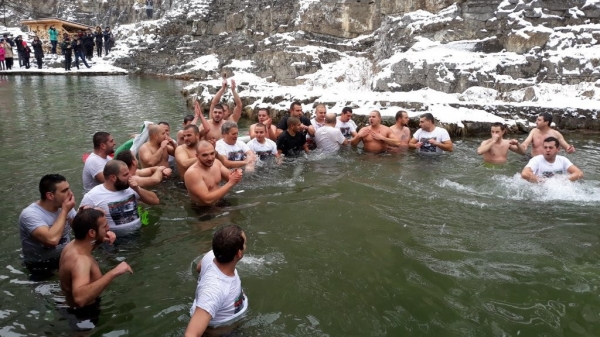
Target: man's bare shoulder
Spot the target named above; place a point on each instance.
(180, 151)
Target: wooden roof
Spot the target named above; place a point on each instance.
(68, 24)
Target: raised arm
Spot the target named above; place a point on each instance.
(85, 292)
(217, 98)
(237, 111)
(516, 147)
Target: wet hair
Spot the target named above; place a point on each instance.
(552, 139)
(192, 126)
(227, 126)
(346, 109)
(218, 106)
(100, 138)
(227, 242)
(547, 117)
(86, 219)
(164, 123)
(188, 119)
(292, 121)
(260, 125)
(126, 157)
(399, 114)
(294, 104)
(428, 116)
(48, 184)
(499, 125)
(112, 167)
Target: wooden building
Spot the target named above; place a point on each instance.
(40, 28)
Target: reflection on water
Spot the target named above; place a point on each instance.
(349, 245)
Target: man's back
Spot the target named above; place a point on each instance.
(329, 139)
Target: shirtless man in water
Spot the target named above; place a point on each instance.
(375, 137)
(401, 130)
(202, 179)
(495, 149)
(191, 120)
(215, 124)
(542, 131)
(185, 156)
(81, 280)
(264, 119)
(156, 151)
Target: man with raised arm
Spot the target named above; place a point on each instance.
(118, 197)
(495, 149)
(44, 225)
(237, 110)
(346, 124)
(185, 156)
(264, 119)
(81, 280)
(146, 177)
(401, 130)
(329, 138)
(192, 120)
(219, 299)
(542, 131)
(295, 111)
(104, 146)
(549, 164)
(202, 179)
(430, 138)
(234, 152)
(375, 137)
(156, 151)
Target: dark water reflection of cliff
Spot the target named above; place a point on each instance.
(355, 245)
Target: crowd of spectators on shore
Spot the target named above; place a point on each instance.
(81, 45)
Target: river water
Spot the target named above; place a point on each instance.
(355, 245)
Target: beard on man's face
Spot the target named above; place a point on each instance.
(121, 185)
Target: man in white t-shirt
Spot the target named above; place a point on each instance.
(346, 124)
(317, 122)
(234, 153)
(104, 146)
(430, 138)
(219, 298)
(118, 197)
(549, 164)
(263, 147)
(329, 138)
(45, 224)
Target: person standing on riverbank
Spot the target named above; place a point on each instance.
(346, 124)
(20, 50)
(104, 146)
(495, 149)
(542, 131)
(549, 164)
(109, 40)
(149, 9)
(80, 277)
(88, 44)
(26, 55)
(2, 55)
(44, 225)
(38, 51)
(78, 48)
(9, 55)
(67, 50)
(401, 130)
(99, 36)
(118, 197)
(430, 138)
(376, 137)
(53, 34)
(203, 178)
(156, 151)
(219, 295)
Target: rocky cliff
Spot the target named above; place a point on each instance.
(491, 53)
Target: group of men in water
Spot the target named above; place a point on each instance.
(210, 159)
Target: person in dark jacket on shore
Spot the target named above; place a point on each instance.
(78, 48)
(109, 40)
(99, 36)
(88, 43)
(38, 51)
(26, 54)
(19, 43)
(67, 50)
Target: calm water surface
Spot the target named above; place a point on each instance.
(356, 245)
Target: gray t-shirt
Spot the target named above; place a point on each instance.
(33, 217)
(93, 165)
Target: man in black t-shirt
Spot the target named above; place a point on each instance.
(296, 111)
(292, 141)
